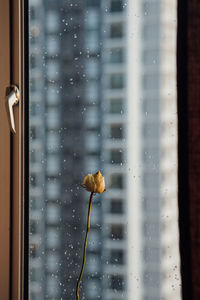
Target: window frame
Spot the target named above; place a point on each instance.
(15, 153)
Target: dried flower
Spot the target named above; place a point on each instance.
(94, 183)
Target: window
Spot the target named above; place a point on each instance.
(151, 9)
(150, 57)
(150, 131)
(117, 257)
(116, 56)
(116, 30)
(116, 181)
(116, 5)
(116, 156)
(116, 206)
(150, 32)
(150, 106)
(151, 82)
(52, 262)
(52, 21)
(116, 106)
(117, 232)
(151, 181)
(101, 81)
(116, 81)
(53, 239)
(151, 254)
(116, 131)
(152, 278)
(117, 283)
(53, 214)
(151, 229)
(33, 132)
(92, 19)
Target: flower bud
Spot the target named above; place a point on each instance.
(94, 183)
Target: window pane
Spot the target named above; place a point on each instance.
(116, 30)
(116, 106)
(116, 81)
(116, 55)
(116, 5)
(103, 97)
(116, 207)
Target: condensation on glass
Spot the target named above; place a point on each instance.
(103, 97)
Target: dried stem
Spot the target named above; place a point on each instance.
(85, 246)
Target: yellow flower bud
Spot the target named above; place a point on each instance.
(94, 183)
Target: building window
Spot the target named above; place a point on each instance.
(151, 32)
(151, 82)
(116, 6)
(151, 204)
(116, 81)
(33, 180)
(117, 283)
(116, 206)
(33, 134)
(52, 189)
(116, 106)
(151, 229)
(93, 288)
(151, 106)
(116, 157)
(151, 254)
(53, 238)
(53, 164)
(117, 257)
(151, 278)
(52, 21)
(117, 232)
(92, 19)
(33, 250)
(33, 61)
(116, 132)
(151, 131)
(116, 56)
(151, 8)
(151, 180)
(53, 286)
(33, 227)
(116, 181)
(32, 13)
(33, 85)
(150, 57)
(53, 213)
(116, 30)
(52, 262)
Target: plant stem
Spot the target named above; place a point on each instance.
(85, 246)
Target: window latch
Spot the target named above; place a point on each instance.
(12, 95)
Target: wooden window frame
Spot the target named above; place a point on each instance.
(14, 156)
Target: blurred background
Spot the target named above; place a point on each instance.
(103, 97)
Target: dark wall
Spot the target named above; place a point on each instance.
(188, 59)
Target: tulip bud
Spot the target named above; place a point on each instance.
(94, 183)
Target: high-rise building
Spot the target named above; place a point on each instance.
(37, 153)
(152, 184)
(114, 148)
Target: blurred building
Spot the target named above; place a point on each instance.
(37, 153)
(103, 96)
(152, 184)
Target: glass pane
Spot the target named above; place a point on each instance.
(103, 97)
